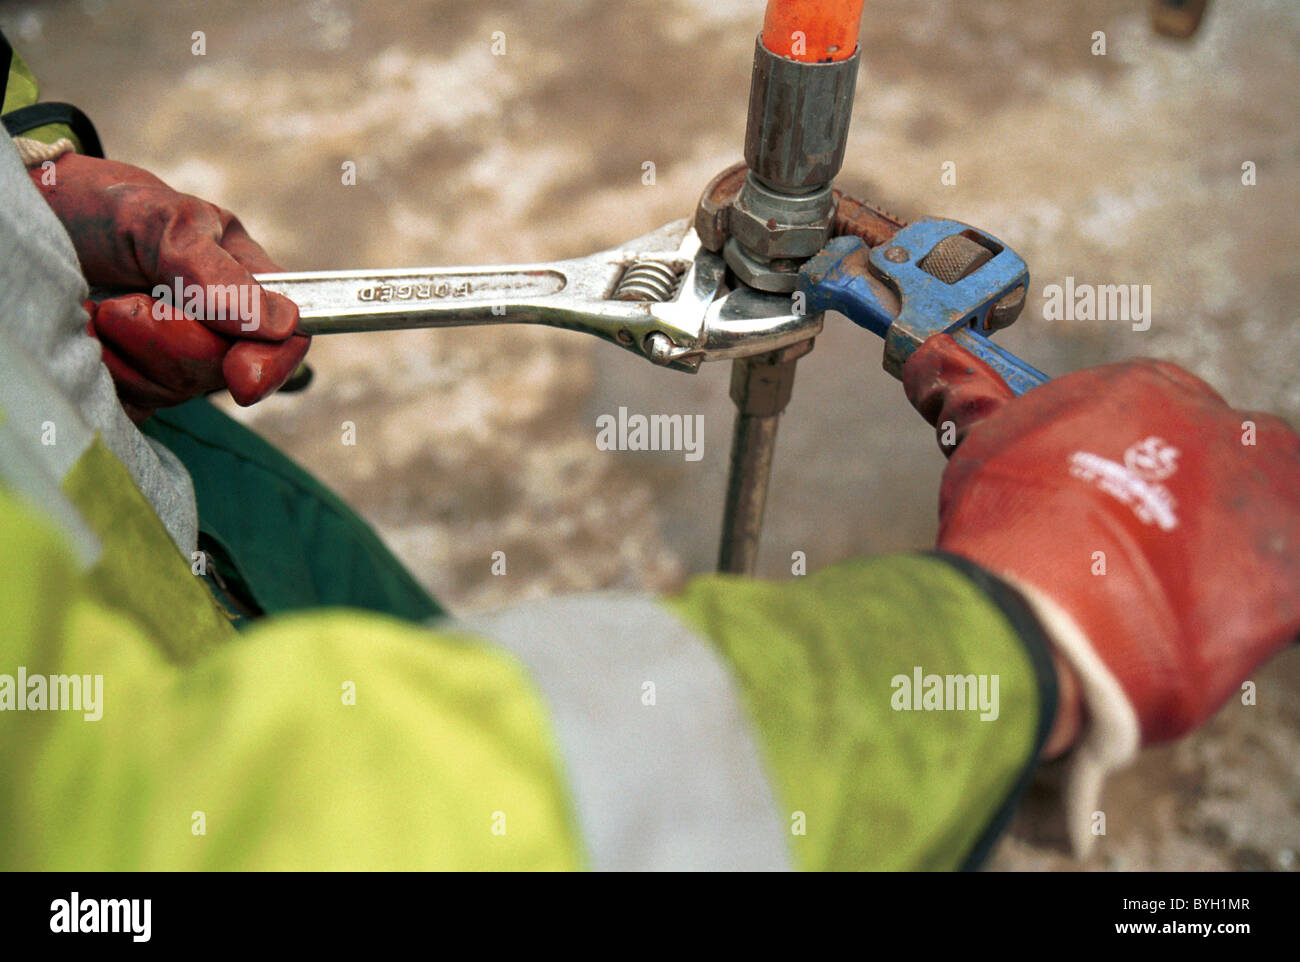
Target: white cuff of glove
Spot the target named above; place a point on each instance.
(36, 152)
(1111, 737)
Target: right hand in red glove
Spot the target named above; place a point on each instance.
(131, 230)
(1133, 499)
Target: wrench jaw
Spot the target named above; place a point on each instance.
(648, 295)
(707, 321)
(747, 322)
(670, 332)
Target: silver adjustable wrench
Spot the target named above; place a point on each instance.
(663, 296)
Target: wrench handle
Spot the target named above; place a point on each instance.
(339, 301)
(1020, 376)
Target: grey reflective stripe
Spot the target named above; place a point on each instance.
(676, 784)
(41, 290)
(41, 437)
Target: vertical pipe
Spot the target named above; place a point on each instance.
(801, 96)
(761, 388)
(753, 441)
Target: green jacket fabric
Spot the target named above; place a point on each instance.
(342, 739)
(280, 540)
(22, 90)
(219, 752)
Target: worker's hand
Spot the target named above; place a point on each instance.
(209, 322)
(159, 357)
(1165, 524)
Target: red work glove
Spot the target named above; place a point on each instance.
(1143, 468)
(131, 230)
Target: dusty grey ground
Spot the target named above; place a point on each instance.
(1124, 168)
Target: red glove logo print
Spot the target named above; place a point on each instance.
(1153, 459)
(1136, 482)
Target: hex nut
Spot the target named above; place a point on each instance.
(766, 237)
(761, 275)
(769, 225)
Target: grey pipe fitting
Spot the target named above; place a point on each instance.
(797, 132)
(799, 117)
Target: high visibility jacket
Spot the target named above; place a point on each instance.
(741, 724)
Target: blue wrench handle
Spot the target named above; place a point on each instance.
(1019, 375)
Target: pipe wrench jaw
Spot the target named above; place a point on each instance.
(934, 276)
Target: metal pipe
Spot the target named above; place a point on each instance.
(800, 103)
(753, 442)
(760, 387)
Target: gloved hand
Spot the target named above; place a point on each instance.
(1165, 524)
(159, 357)
(131, 230)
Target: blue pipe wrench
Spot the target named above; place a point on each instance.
(893, 291)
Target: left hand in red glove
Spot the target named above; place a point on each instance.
(131, 230)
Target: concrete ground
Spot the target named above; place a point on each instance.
(1124, 168)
